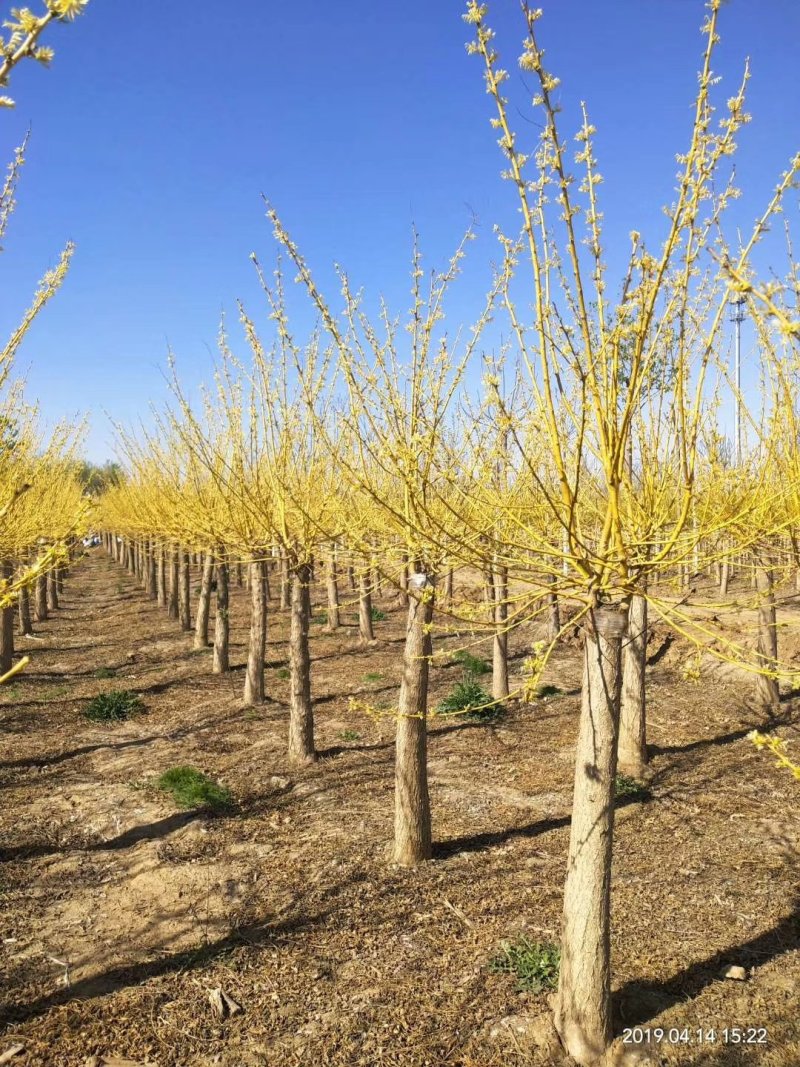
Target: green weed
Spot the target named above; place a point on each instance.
(115, 706)
(535, 964)
(191, 788)
(469, 700)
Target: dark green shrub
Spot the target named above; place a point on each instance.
(630, 787)
(378, 615)
(469, 700)
(114, 706)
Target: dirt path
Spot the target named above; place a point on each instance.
(120, 912)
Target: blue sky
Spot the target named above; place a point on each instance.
(160, 125)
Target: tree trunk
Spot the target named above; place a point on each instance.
(59, 572)
(257, 649)
(239, 574)
(448, 587)
(25, 626)
(285, 582)
(301, 712)
(583, 1002)
(52, 591)
(221, 662)
(412, 811)
(173, 609)
(40, 606)
(500, 644)
(724, 578)
(332, 587)
(767, 689)
(402, 594)
(365, 628)
(553, 627)
(488, 593)
(152, 568)
(184, 599)
(632, 750)
(204, 603)
(7, 625)
(161, 577)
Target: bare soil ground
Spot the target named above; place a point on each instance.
(120, 912)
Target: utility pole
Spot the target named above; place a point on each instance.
(737, 318)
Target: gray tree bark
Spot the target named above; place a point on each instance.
(365, 628)
(412, 811)
(257, 648)
(184, 597)
(40, 605)
(332, 589)
(767, 689)
(221, 662)
(583, 1001)
(301, 712)
(500, 643)
(7, 624)
(632, 750)
(173, 609)
(204, 603)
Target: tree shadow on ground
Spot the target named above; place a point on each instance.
(492, 838)
(257, 935)
(637, 1002)
(146, 832)
(338, 750)
(771, 722)
(60, 757)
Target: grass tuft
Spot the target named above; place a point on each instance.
(349, 735)
(106, 672)
(191, 788)
(547, 691)
(373, 676)
(469, 700)
(283, 672)
(378, 615)
(473, 665)
(534, 963)
(115, 706)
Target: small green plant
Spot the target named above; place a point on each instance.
(321, 617)
(473, 665)
(282, 672)
(469, 700)
(378, 615)
(106, 672)
(115, 706)
(547, 691)
(11, 692)
(630, 787)
(191, 788)
(349, 735)
(55, 691)
(373, 676)
(534, 963)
